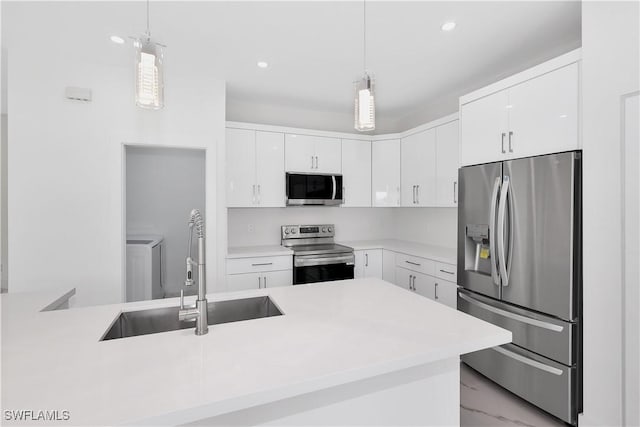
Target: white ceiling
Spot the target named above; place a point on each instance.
(315, 49)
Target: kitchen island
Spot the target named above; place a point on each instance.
(348, 352)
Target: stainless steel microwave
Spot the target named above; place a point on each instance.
(313, 189)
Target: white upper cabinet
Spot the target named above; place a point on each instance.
(484, 124)
(537, 113)
(385, 173)
(418, 169)
(255, 168)
(312, 154)
(543, 114)
(270, 179)
(241, 167)
(447, 164)
(356, 173)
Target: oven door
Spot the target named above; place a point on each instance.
(322, 268)
(313, 189)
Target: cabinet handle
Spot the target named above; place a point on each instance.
(445, 271)
(317, 162)
(414, 283)
(344, 195)
(435, 291)
(455, 185)
(366, 257)
(503, 135)
(417, 194)
(259, 282)
(259, 195)
(261, 263)
(265, 282)
(413, 263)
(311, 162)
(410, 288)
(510, 135)
(253, 197)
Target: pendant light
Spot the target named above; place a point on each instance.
(149, 71)
(364, 98)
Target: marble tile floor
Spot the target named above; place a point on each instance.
(484, 403)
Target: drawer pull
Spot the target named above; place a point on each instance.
(448, 272)
(413, 263)
(262, 263)
(514, 316)
(527, 361)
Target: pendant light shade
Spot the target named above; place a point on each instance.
(365, 107)
(149, 70)
(364, 98)
(149, 74)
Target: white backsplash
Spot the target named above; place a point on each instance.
(435, 226)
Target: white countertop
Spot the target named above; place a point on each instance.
(257, 251)
(436, 253)
(331, 333)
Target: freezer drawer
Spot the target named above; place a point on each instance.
(550, 337)
(549, 385)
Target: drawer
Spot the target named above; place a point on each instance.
(258, 264)
(446, 271)
(543, 382)
(414, 263)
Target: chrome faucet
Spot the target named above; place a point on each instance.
(199, 311)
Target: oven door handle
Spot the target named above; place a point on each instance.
(302, 261)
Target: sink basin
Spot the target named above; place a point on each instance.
(155, 320)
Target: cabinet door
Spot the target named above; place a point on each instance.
(243, 282)
(425, 285)
(418, 168)
(543, 117)
(241, 166)
(328, 152)
(482, 125)
(273, 279)
(356, 173)
(299, 153)
(389, 266)
(358, 270)
(404, 278)
(447, 165)
(373, 263)
(385, 168)
(270, 178)
(446, 293)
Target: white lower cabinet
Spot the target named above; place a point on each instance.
(368, 263)
(259, 273)
(389, 266)
(267, 279)
(428, 286)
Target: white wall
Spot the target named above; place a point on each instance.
(66, 170)
(610, 49)
(432, 226)
(162, 186)
(351, 223)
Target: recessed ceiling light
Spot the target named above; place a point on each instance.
(117, 39)
(448, 26)
(263, 64)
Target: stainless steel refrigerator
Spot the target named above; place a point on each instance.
(519, 267)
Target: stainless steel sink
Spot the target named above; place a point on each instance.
(152, 321)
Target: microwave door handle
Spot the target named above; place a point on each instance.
(493, 241)
(502, 213)
(333, 180)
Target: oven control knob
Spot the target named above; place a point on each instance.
(330, 229)
(324, 229)
(286, 231)
(293, 231)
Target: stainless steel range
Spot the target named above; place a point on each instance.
(316, 257)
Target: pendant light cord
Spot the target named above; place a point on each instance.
(364, 34)
(148, 32)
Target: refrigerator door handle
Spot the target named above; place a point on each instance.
(527, 361)
(514, 316)
(492, 230)
(502, 213)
